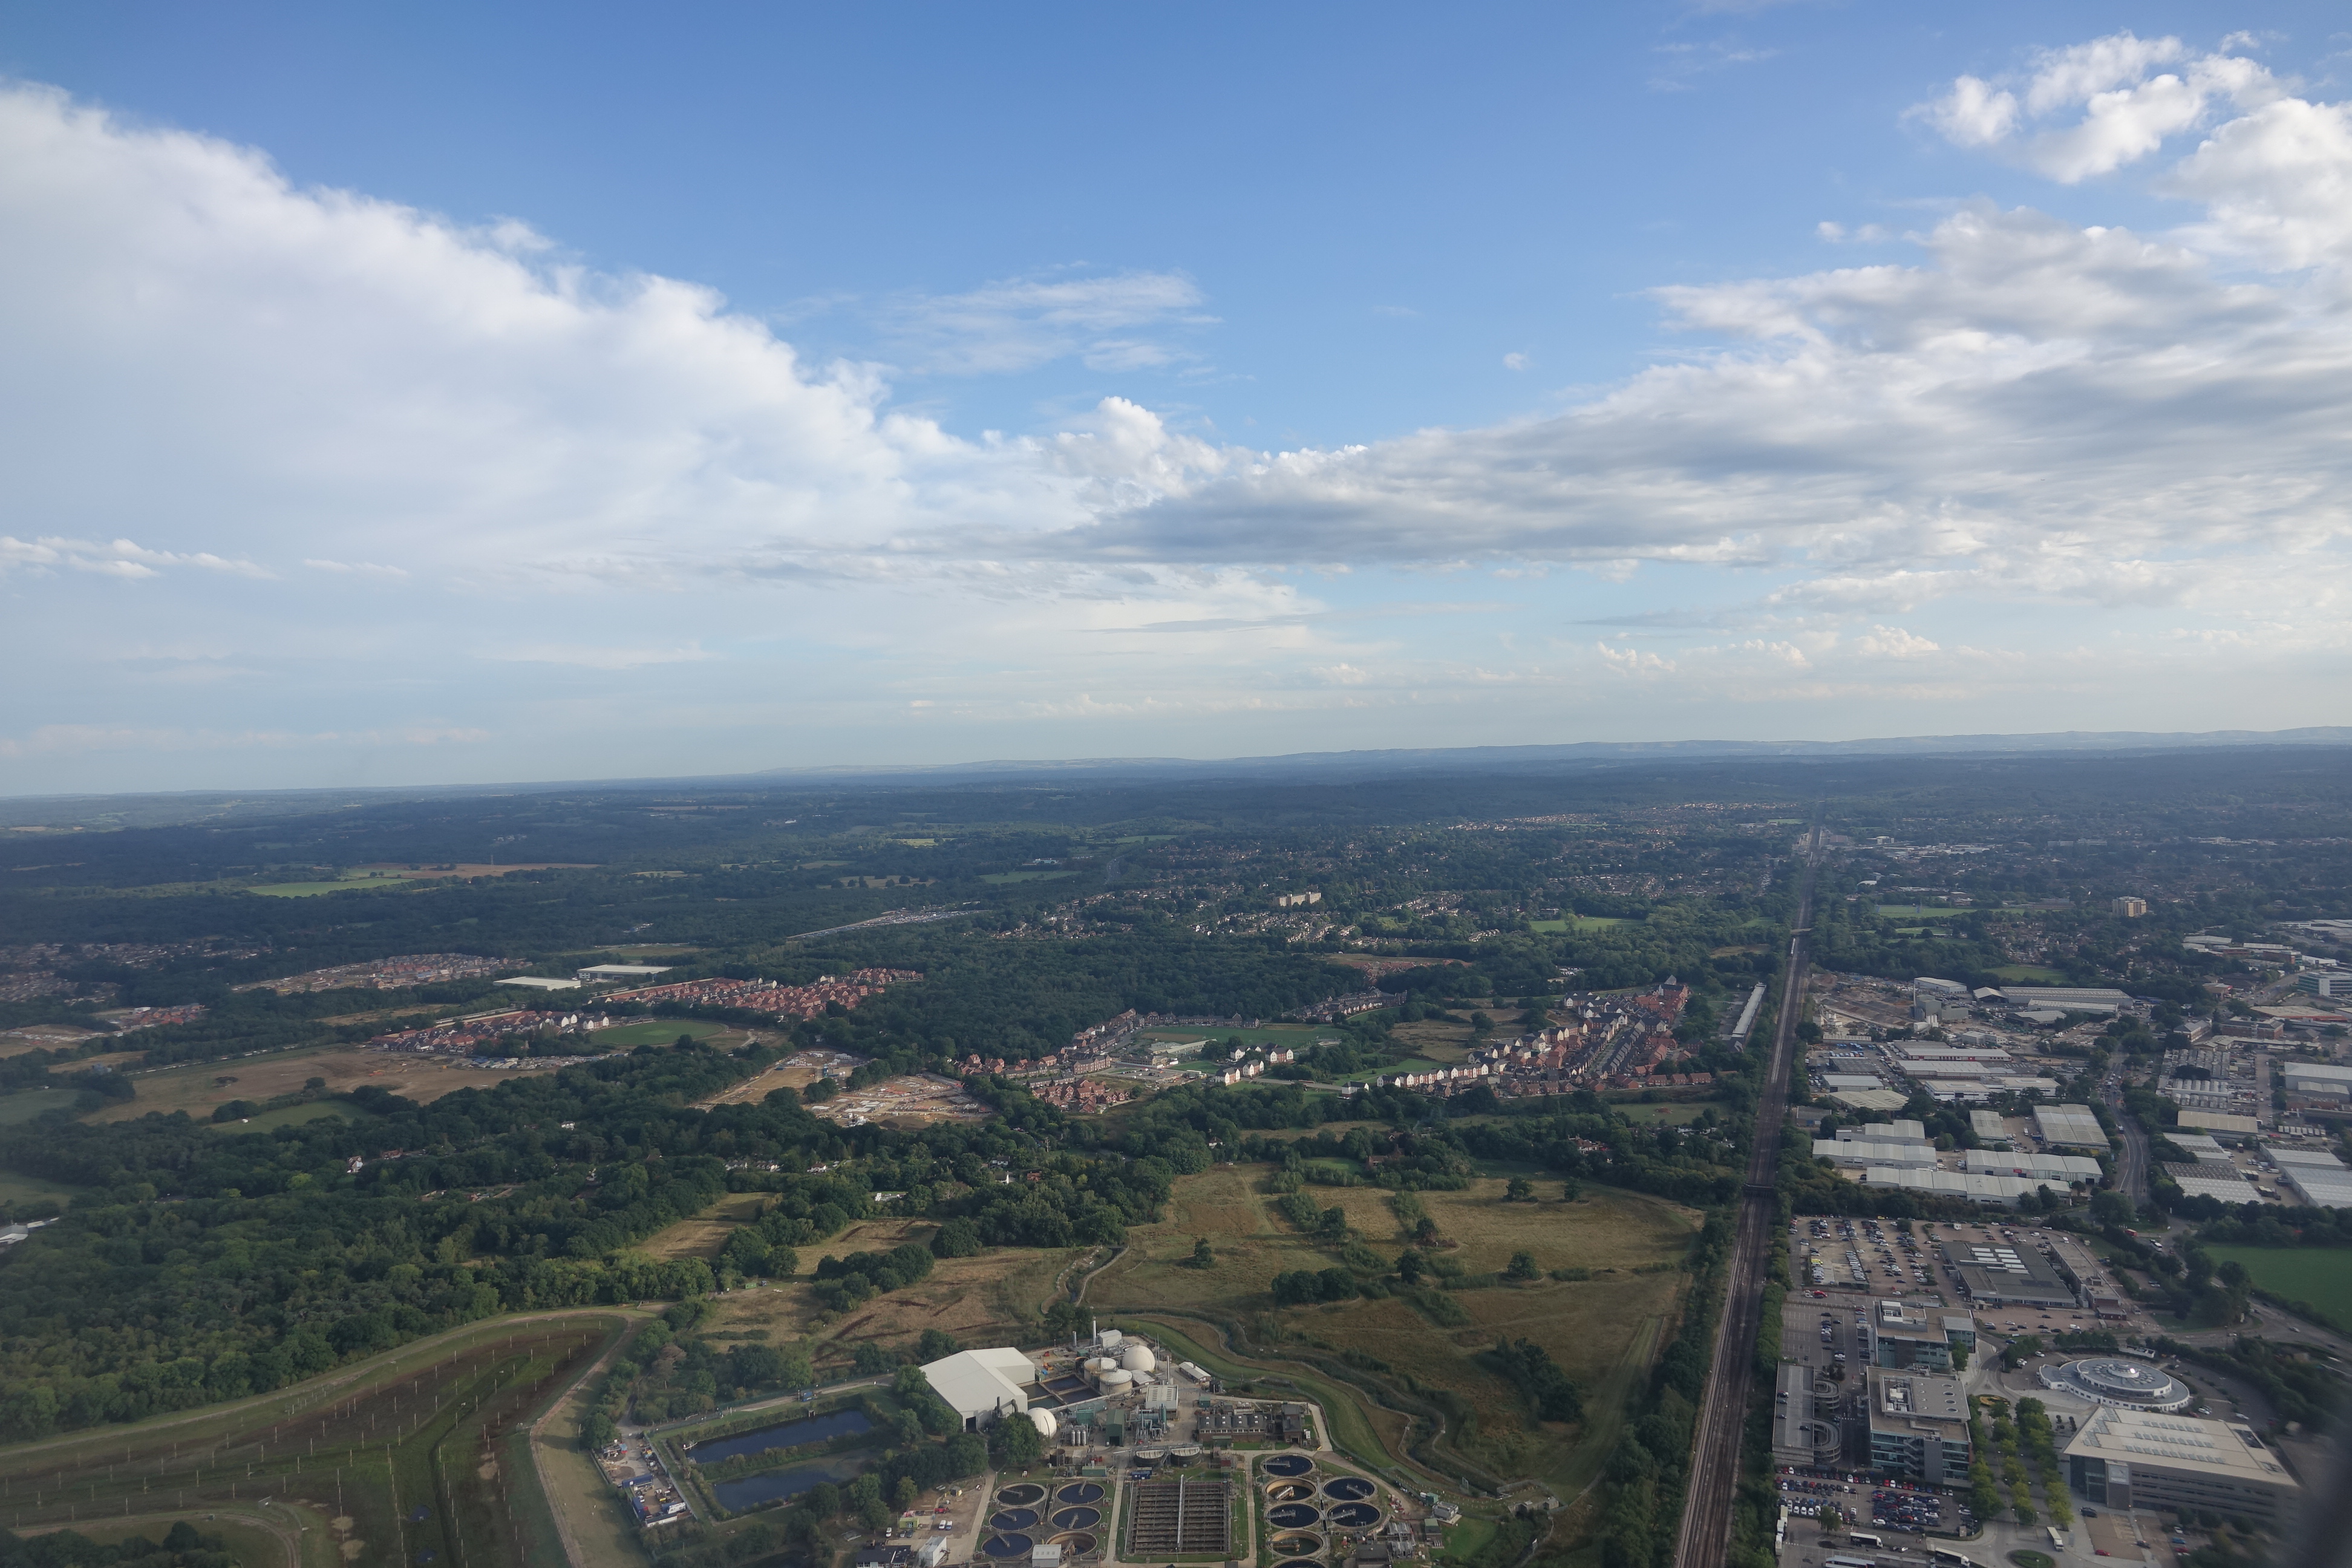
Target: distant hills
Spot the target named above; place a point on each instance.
(1492, 759)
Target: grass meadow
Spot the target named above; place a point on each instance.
(2319, 1277)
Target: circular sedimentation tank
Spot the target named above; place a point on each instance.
(1006, 1546)
(1077, 1544)
(1293, 1516)
(1289, 1491)
(1299, 1562)
(1080, 1491)
(1012, 1518)
(1355, 1516)
(1021, 1494)
(1347, 1488)
(1078, 1518)
(1287, 1465)
(1298, 1545)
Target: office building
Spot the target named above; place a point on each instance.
(2330, 985)
(2141, 1459)
(2130, 909)
(1918, 1427)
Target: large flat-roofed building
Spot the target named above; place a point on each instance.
(2003, 1191)
(2065, 998)
(1903, 1338)
(2069, 1126)
(620, 974)
(1805, 1418)
(2142, 1458)
(2209, 1181)
(1991, 1130)
(2058, 1169)
(1869, 1098)
(2317, 1080)
(2319, 1187)
(2222, 1124)
(1857, 1151)
(1995, 1273)
(980, 1385)
(2197, 1145)
(1901, 1130)
(1918, 1426)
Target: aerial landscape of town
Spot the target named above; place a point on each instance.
(1459, 1181)
(1324, 786)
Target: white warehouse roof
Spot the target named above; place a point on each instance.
(2004, 1190)
(1859, 1152)
(980, 1383)
(2039, 1167)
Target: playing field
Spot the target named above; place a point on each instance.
(654, 1032)
(2319, 1277)
(28, 1103)
(1578, 922)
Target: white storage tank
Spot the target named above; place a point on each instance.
(1099, 1365)
(1044, 1423)
(1139, 1358)
(1116, 1382)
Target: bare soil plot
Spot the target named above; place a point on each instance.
(197, 1086)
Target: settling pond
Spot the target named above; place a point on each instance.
(791, 1435)
(749, 1492)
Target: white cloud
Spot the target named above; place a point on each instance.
(598, 655)
(1514, 361)
(602, 473)
(1894, 642)
(1019, 324)
(2125, 111)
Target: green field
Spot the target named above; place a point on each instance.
(17, 1189)
(362, 882)
(1578, 923)
(1411, 1064)
(2319, 1277)
(31, 1102)
(2030, 974)
(1677, 1113)
(1917, 911)
(999, 879)
(1299, 1035)
(654, 1032)
(295, 1116)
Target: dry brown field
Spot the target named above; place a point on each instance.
(991, 1298)
(1600, 1331)
(1439, 1039)
(197, 1090)
(706, 1232)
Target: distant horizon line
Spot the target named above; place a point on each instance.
(1329, 763)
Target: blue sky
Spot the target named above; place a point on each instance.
(401, 395)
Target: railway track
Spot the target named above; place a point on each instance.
(1705, 1541)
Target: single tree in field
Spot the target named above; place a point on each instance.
(1204, 1255)
(1519, 1191)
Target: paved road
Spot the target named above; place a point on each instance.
(2132, 1165)
(1706, 1537)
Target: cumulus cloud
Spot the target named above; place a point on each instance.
(2120, 105)
(323, 390)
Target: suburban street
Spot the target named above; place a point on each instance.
(1706, 1537)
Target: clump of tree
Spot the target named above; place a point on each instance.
(1551, 1393)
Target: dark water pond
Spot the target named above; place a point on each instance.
(791, 1435)
(751, 1492)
